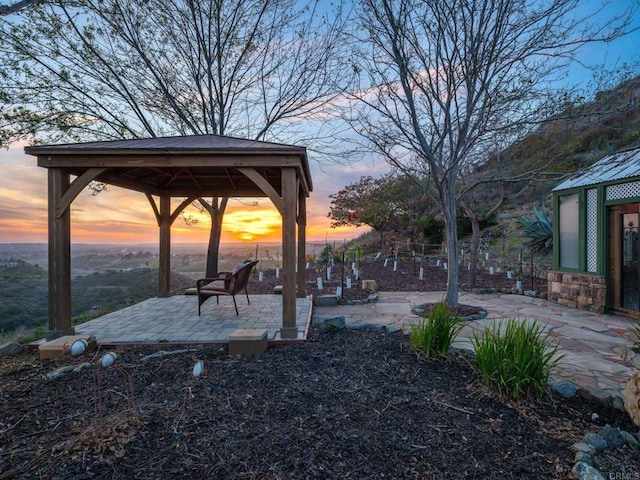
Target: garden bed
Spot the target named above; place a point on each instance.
(346, 404)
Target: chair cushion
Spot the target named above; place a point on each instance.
(238, 267)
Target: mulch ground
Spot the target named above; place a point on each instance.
(406, 278)
(345, 404)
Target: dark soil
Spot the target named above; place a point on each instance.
(406, 278)
(345, 404)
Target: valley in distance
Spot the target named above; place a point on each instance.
(107, 277)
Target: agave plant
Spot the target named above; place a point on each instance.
(538, 231)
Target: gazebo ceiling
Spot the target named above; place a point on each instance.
(199, 165)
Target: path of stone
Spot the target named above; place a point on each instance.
(593, 344)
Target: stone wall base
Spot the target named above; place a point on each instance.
(577, 290)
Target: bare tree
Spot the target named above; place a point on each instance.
(440, 81)
(112, 69)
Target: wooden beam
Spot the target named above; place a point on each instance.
(290, 196)
(302, 242)
(59, 256)
(145, 160)
(164, 266)
(185, 203)
(154, 206)
(76, 187)
(129, 184)
(185, 191)
(266, 187)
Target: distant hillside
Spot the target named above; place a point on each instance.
(574, 139)
(580, 135)
(24, 297)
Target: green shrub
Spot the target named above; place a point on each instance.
(32, 335)
(517, 362)
(434, 334)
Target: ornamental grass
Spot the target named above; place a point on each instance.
(435, 333)
(515, 357)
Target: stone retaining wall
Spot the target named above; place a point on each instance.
(577, 290)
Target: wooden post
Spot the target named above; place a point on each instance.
(59, 257)
(290, 196)
(164, 267)
(302, 243)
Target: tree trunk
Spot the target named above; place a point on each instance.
(216, 212)
(451, 228)
(213, 250)
(476, 218)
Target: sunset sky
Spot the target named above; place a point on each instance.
(118, 216)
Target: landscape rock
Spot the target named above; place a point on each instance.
(10, 348)
(618, 403)
(631, 398)
(612, 435)
(595, 394)
(378, 327)
(584, 471)
(583, 457)
(393, 328)
(630, 439)
(325, 323)
(584, 448)
(596, 440)
(564, 388)
(326, 300)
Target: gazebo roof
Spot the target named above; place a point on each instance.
(618, 166)
(196, 165)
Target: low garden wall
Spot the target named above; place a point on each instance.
(577, 290)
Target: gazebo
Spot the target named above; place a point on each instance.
(186, 167)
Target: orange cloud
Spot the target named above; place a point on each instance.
(121, 216)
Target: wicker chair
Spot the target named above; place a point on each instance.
(227, 284)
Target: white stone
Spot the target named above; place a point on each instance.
(583, 471)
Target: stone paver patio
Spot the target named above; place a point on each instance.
(175, 320)
(593, 344)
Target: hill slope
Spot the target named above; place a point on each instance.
(24, 293)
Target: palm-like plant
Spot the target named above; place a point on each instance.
(538, 231)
